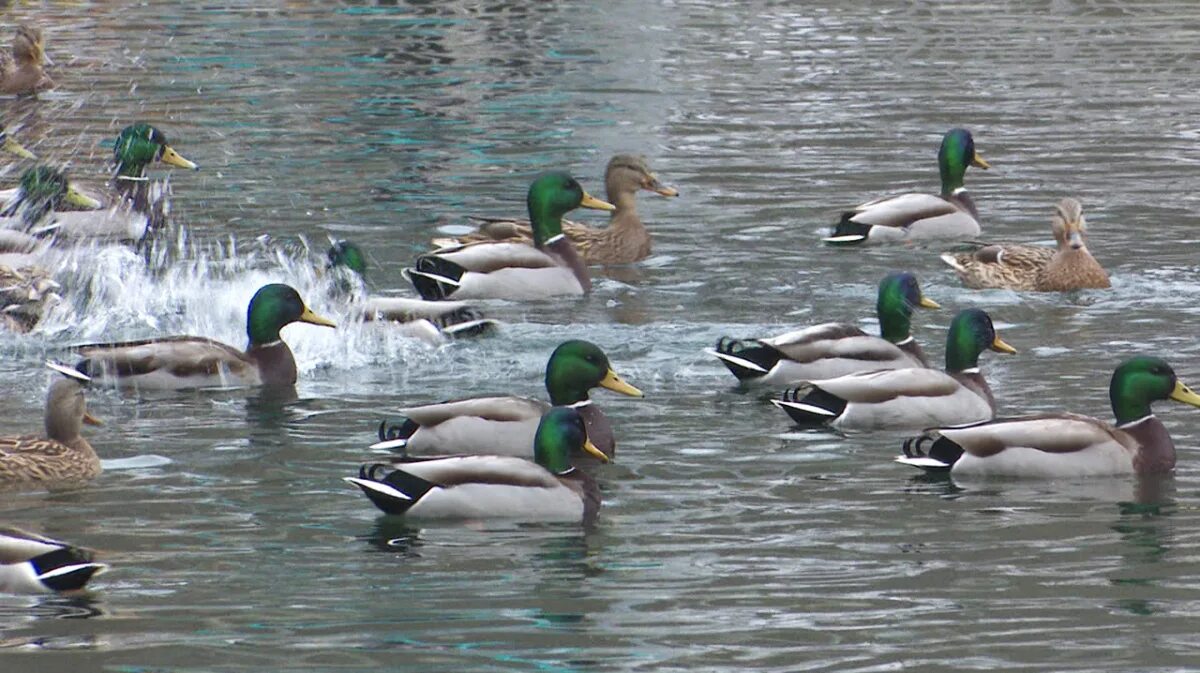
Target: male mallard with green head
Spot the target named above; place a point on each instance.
(62, 458)
(907, 398)
(41, 191)
(549, 267)
(950, 214)
(21, 70)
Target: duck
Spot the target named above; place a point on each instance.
(63, 458)
(506, 425)
(834, 349)
(22, 70)
(31, 210)
(1033, 267)
(950, 214)
(501, 270)
(624, 241)
(26, 292)
(1066, 445)
(137, 208)
(431, 321)
(10, 145)
(34, 564)
(907, 398)
(179, 362)
(549, 488)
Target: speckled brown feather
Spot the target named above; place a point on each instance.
(21, 70)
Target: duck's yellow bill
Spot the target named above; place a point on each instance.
(979, 162)
(90, 419)
(617, 385)
(594, 203)
(926, 302)
(173, 158)
(659, 188)
(13, 147)
(313, 319)
(591, 448)
(999, 346)
(78, 198)
(1184, 394)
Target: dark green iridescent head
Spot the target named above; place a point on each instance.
(560, 433)
(899, 294)
(138, 145)
(349, 255)
(1141, 380)
(956, 153)
(577, 366)
(41, 190)
(551, 196)
(273, 307)
(971, 333)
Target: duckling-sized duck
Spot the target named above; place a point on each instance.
(21, 71)
(624, 241)
(506, 425)
(907, 398)
(33, 564)
(834, 349)
(196, 362)
(1034, 267)
(63, 458)
(495, 487)
(432, 321)
(1062, 446)
(950, 214)
(499, 270)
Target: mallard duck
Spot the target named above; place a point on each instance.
(63, 457)
(11, 146)
(196, 362)
(21, 71)
(624, 241)
(950, 214)
(1066, 445)
(433, 321)
(1034, 267)
(41, 191)
(506, 425)
(137, 208)
(549, 267)
(834, 349)
(494, 487)
(907, 398)
(25, 294)
(31, 563)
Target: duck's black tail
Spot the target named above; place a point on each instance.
(394, 492)
(810, 405)
(930, 452)
(466, 322)
(66, 568)
(847, 231)
(435, 278)
(746, 359)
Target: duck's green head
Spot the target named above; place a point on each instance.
(43, 189)
(577, 366)
(13, 147)
(553, 195)
(138, 145)
(899, 294)
(1141, 380)
(560, 433)
(957, 152)
(349, 255)
(273, 307)
(971, 333)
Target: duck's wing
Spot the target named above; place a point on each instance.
(1001, 266)
(882, 386)
(181, 357)
(18, 546)
(506, 408)
(489, 257)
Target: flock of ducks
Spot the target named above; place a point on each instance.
(535, 460)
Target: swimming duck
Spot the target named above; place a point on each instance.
(433, 321)
(500, 270)
(1066, 445)
(834, 349)
(1034, 267)
(11, 146)
(624, 241)
(506, 425)
(495, 487)
(31, 563)
(950, 214)
(137, 208)
(25, 294)
(62, 458)
(907, 398)
(41, 191)
(195, 362)
(21, 71)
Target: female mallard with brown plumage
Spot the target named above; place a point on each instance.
(625, 240)
(1062, 446)
(62, 458)
(950, 214)
(31, 563)
(21, 70)
(25, 294)
(1034, 267)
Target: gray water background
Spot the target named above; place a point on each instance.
(726, 541)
